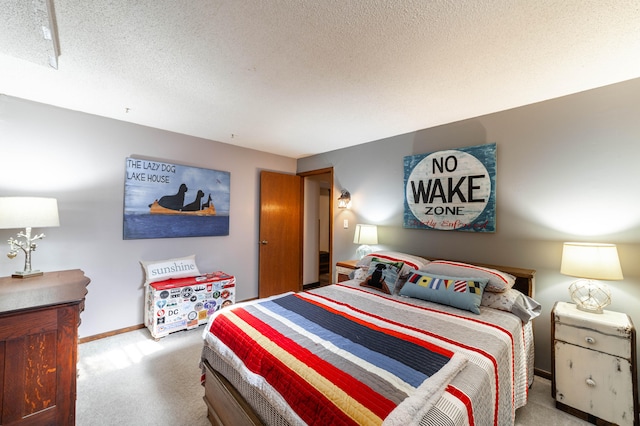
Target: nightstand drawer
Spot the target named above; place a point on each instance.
(590, 339)
(594, 382)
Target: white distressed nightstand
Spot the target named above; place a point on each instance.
(594, 365)
(344, 268)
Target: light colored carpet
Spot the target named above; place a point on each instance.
(541, 409)
(131, 379)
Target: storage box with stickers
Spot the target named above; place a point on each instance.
(184, 303)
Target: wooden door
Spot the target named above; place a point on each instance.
(280, 263)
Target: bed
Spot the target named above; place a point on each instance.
(358, 353)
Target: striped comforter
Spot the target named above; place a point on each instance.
(345, 355)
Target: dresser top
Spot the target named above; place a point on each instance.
(606, 322)
(51, 288)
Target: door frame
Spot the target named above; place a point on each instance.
(327, 170)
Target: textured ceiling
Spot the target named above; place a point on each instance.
(300, 77)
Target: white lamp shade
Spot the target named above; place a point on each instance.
(366, 234)
(28, 212)
(591, 260)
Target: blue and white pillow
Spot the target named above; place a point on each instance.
(463, 293)
(383, 276)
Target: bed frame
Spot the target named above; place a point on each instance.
(226, 407)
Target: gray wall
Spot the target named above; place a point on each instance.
(567, 170)
(80, 160)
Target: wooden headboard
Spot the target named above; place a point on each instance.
(525, 278)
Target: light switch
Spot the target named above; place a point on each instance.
(346, 224)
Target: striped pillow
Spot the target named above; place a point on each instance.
(498, 281)
(410, 261)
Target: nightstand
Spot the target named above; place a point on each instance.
(344, 268)
(594, 365)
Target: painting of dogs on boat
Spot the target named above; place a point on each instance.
(164, 200)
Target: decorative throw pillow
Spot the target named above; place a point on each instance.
(513, 301)
(463, 293)
(160, 270)
(383, 276)
(498, 281)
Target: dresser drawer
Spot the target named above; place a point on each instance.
(594, 382)
(591, 339)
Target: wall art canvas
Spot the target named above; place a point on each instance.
(451, 190)
(164, 200)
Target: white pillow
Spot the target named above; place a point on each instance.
(160, 270)
(498, 281)
(513, 301)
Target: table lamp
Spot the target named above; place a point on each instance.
(365, 235)
(27, 212)
(591, 261)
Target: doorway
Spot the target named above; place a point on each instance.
(317, 228)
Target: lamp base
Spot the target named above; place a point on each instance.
(363, 250)
(590, 296)
(24, 274)
(591, 310)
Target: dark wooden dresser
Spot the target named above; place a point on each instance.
(39, 318)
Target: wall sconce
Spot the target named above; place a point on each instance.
(27, 212)
(593, 262)
(344, 200)
(365, 235)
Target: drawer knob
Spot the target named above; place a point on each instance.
(590, 382)
(590, 340)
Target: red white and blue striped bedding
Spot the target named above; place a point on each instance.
(344, 354)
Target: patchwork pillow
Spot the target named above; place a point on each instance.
(160, 270)
(410, 261)
(513, 301)
(498, 281)
(463, 293)
(383, 276)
